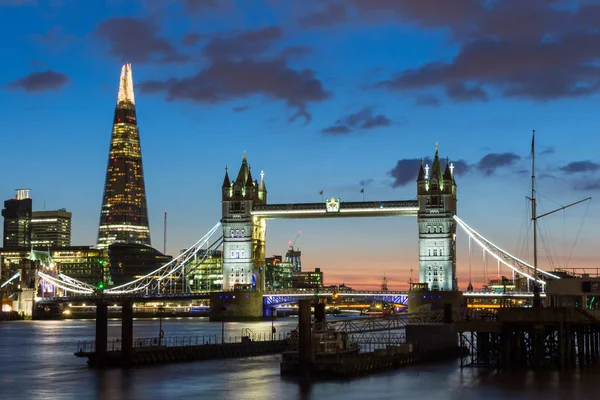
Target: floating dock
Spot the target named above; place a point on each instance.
(181, 351)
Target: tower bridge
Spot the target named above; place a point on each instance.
(241, 234)
(245, 212)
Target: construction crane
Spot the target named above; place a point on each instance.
(292, 243)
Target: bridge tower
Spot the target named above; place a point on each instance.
(436, 193)
(243, 234)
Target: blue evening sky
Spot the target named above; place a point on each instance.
(323, 95)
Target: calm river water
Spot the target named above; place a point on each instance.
(37, 362)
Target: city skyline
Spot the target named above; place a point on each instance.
(332, 97)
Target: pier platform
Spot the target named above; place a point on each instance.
(182, 349)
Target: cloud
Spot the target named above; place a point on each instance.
(244, 64)
(461, 167)
(427, 100)
(460, 92)
(548, 150)
(364, 119)
(407, 170)
(241, 108)
(191, 39)
(17, 2)
(491, 162)
(195, 5)
(366, 182)
(552, 55)
(135, 40)
(296, 52)
(332, 13)
(336, 130)
(593, 184)
(243, 45)
(40, 82)
(580, 166)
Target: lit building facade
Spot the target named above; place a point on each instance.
(50, 229)
(83, 263)
(124, 214)
(436, 193)
(278, 274)
(206, 276)
(308, 279)
(294, 257)
(17, 221)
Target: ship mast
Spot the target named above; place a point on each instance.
(536, 289)
(537, 303)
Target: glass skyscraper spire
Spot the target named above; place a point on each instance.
(124, 215)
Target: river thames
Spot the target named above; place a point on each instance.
(37, 362)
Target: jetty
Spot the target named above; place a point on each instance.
(181, 349)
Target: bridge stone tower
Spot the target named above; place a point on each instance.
(436, 193)
(243, 234)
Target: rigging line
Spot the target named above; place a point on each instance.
(470, 250)
(525, 241)
(564, 238)
(578, 233)
(545, 229)
(549, 199)
(521, 229)
(545, 245)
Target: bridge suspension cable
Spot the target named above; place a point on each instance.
(152, 281)
(64, 285)
(75, 282)
(503, 256)
(12, 278)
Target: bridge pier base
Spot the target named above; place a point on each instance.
(101, 333)
(433, 300)
(305, 351)
(236, 306)
(127, 332)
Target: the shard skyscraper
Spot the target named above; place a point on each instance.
(124, 215)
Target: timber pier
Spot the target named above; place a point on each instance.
(555, 337)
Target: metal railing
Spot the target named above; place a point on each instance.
(89, 346)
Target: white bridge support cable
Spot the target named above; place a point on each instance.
(492, 249)
(520, 263)
(64, 285)
(12, 278)
(72, 281)
(152, 281)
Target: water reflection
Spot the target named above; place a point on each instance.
(36, 361)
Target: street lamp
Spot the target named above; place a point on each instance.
(161, 333)
(223, 325)
(273, 330)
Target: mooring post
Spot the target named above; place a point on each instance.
(304, 336)
(101, 333)
(127, 332)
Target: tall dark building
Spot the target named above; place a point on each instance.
(124, 214)
(17, 221)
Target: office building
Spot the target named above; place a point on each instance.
(124, 214)
(278, 274)
(307, 280)
(130, 261)
(50, 229)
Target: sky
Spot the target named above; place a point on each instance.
(322, 95)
